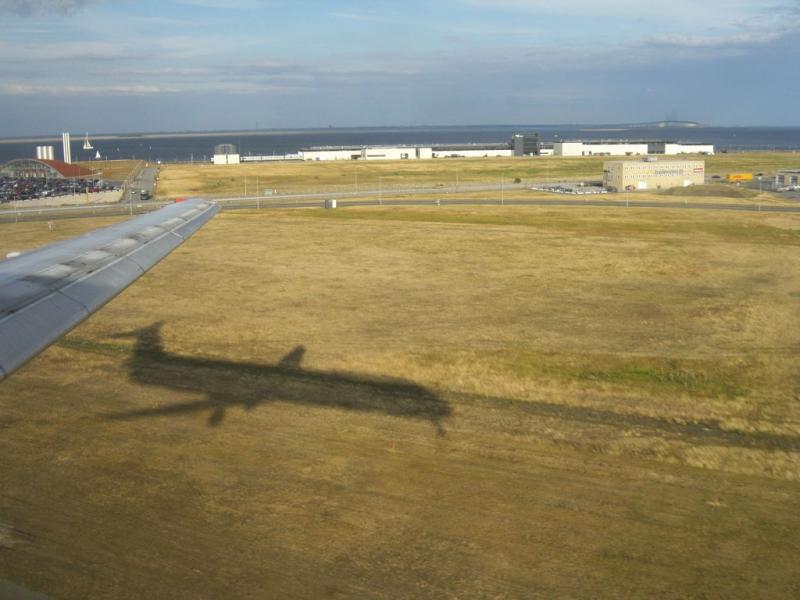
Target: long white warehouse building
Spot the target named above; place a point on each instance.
(404, 152)
(368, 153)
(226, 154)
(599, 148)
(673, 148)
(612, 148)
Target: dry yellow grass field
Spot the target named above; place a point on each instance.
(112, 170)
(191, 180)
(481, 402)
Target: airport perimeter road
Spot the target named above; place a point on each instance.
(145, 180)
(244, 203)
(133, 208)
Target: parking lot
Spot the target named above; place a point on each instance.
(14, 189)
(570, 188)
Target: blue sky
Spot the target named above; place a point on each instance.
(126, 65)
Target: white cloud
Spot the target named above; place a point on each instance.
(710, 18)
(26, 89)
(44, 7)
(684, 9)
(224, 4)
(711, 41)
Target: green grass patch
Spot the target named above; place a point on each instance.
(84, 345)
(652, 374)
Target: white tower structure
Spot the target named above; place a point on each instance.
(65, 142)
(45, 152)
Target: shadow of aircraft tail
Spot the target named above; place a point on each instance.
(228, 384)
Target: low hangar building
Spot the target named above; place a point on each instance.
(650, 174)
(628, 148)
(28, 168)
(787, 178)
(225, 154)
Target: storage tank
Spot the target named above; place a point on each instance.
(225, 149)
(45, 152)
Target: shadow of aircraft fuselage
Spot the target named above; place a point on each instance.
(228, 384)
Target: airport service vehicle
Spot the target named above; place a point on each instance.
(739, 177)
(47, 292)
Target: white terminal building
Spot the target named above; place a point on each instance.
(621, 148)
(520, 145)
(652, 174)
(577, 148)
(406, 152)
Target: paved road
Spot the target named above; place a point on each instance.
(313, 201)
(233, 204)
(144, 180)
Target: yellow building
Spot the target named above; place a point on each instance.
(651, 174)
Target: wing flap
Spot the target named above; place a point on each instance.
(95, 290)
(47, 292)
(25, 333)
(149, 254)
(17, 294)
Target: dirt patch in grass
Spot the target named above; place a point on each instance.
(715, 190)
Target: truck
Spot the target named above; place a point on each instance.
(738, 177)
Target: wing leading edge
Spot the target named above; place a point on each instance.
(47, 292)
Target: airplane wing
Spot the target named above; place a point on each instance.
(47, 292)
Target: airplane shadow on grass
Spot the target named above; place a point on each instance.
(229, 384)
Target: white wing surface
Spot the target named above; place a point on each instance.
(47, 292)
